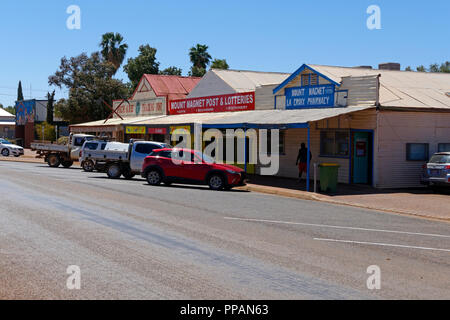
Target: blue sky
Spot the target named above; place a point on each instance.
(252, 35)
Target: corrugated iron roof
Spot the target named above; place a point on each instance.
(400, 88)
(114, 121)
(259, 117)
(164, 85)
(6, 114)
(245, 81)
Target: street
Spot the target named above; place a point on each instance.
(134, 241)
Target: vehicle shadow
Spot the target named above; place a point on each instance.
(194, 187)
(60, 168)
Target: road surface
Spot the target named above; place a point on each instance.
(134, 241)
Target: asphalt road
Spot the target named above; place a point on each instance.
(134, 241)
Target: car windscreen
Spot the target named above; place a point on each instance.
(5, 142)
(204, 157)
(440, 158)
(164, 154)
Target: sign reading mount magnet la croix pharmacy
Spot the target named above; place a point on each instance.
(311, 96)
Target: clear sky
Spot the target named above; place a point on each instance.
(253, 35)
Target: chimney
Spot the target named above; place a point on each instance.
(389, 66)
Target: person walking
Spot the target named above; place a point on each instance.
(302, 160)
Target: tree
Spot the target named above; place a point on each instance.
(220, 64)
(171, 71)
(197, 72)
(144, 63)
(20, 92)
(200, 59)
(434, 67)
(9, 109)
(49, 131)
(113, 50)
(50, 108)
(90, 84)
(421, 69)
(445, 67)
(408, 68)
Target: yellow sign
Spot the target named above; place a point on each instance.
(173, 128)
(135, 130)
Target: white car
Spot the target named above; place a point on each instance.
(7, 149)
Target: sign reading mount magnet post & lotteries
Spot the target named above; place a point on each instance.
(310, 97)
(223, 103)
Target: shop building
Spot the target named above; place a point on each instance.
(379, 125)
(149, 101)
(406, 118)
(29, 113)
(7, 124)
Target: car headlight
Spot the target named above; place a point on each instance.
(232, 172)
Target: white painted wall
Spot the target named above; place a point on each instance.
(210, 85)
(396, 129)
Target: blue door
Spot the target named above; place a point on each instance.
(361, 157)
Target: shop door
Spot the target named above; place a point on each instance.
(361, 156)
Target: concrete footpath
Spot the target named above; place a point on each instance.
(418, 202)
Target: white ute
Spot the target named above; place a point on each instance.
(127, 163)
(57, 154)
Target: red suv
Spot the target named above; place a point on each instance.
(191, 167)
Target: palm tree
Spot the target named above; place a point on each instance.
(199, 56)
(113, 50)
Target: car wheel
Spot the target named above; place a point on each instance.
(154, 177)
(216, 182)
(67, 164)
(88, 165)
(113, 171)
(53, 161)
(127, 174)
(5, 152)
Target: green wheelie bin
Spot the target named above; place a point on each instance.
(328, 177)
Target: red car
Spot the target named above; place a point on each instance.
(190, 167)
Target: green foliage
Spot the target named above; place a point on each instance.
(200, 59)
(50, 106)
(144, 63)
(171, 71)
(113, 50)
(89, 80)
(49, 131)
(408, 68)
(421, 69)
(9, 109)
(220, 64)
(445, 67)
(197, 72)
(435, 67)
(20, 92)
(63, 140)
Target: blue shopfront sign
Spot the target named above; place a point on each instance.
(310, 96)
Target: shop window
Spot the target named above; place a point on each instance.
(334, 143)
(417, 151)
(281, 142)
(444, 147)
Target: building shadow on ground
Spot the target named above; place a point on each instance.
(342, 189)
